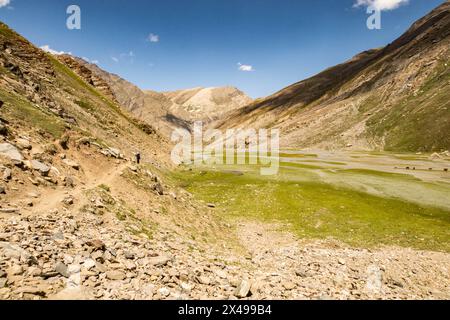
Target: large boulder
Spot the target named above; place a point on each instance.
(39, 166)
(9, 151)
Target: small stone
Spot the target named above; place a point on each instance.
(96, 255)
(32, 290)
(39, 166)
(23, 144)
(374, 281)
(9, 210)
(99, 203)
(100, 267)
(107, 256)
(62, 269)
(89, 264)
(69, 200)
(148, 290)
(3, 129)
(288, 285)
(34, 271)
(68, 182)
(164, 292)
(129, 255)
(221, 274)
(64, 142)
(15, 270)
(2, 190)
(115, 275)
(186, 287)
(73, 269)
(130, 265)
(158, 188)
(33, 182)
(71, 163)
(203, 280)
(301, 273)
(159, 261)
(255, 288)
(7, 174)
(33, 195)
(58, 236)
(96, 244)
(173, 195)
(243, 289)
(3, 283)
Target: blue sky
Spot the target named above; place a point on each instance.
(201, 42)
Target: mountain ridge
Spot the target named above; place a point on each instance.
(357, 103)
(166, 111)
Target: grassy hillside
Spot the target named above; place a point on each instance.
(418, 122)
(57, 101)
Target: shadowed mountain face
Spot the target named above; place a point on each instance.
(393, 98)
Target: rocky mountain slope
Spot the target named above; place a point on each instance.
(207, 104)
(393, 98)
(165, 111)
(151, 107)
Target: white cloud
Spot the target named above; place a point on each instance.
(90, 61)
(153, 38)
(245, 67)
(4, 3)
(127, 56)
(47, 48)
(382, 5)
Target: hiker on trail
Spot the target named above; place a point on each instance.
(138, 157)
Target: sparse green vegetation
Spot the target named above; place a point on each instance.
(419, 122)
(105, 187)
(85, 105)
(20, 109)
(313, 209)
(378, 174)
(297, 155)
(299, 165)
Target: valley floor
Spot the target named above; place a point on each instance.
(107, 238)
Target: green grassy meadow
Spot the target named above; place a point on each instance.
(314, 208)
